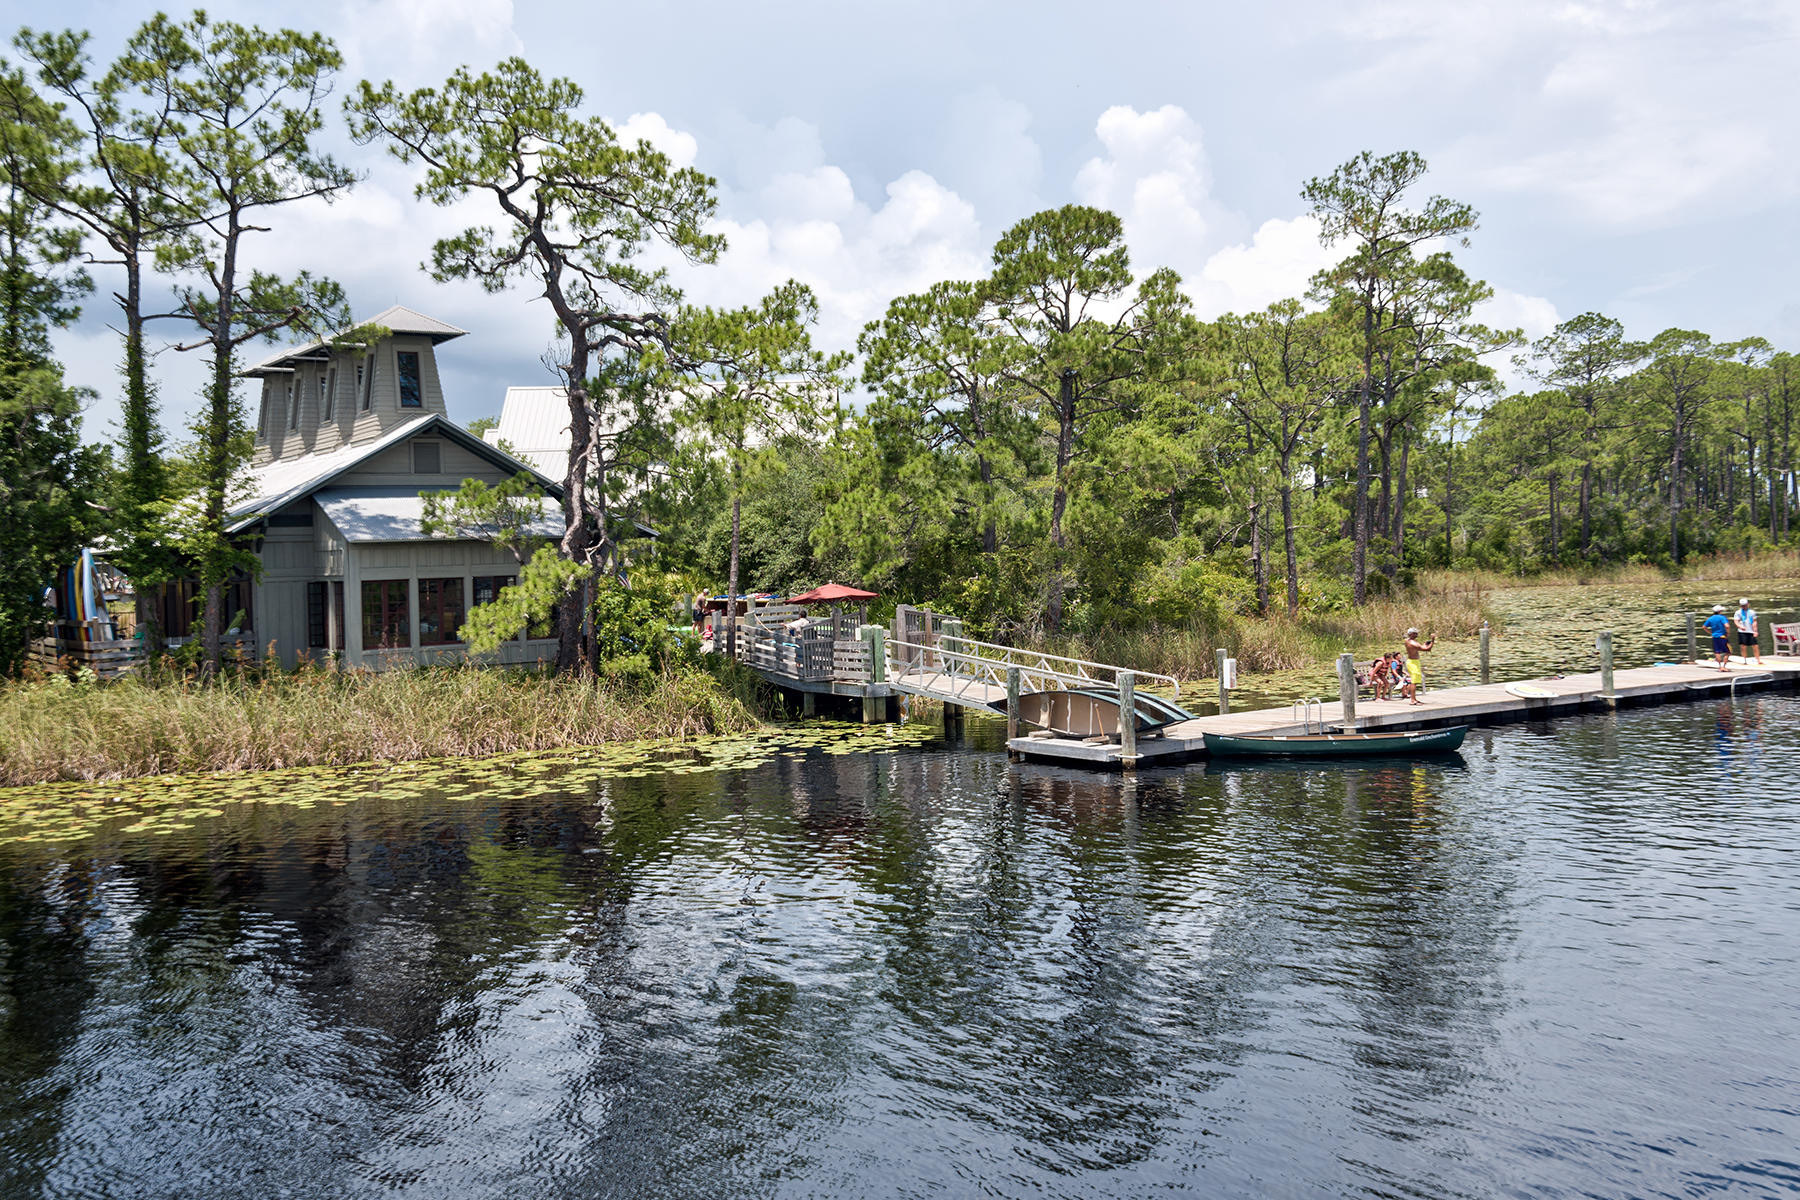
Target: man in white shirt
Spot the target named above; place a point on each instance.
(1748, 641)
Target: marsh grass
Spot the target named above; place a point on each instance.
(61, 730)
(1762, 564)
(1450, 608)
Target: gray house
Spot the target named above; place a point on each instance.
(346, 439)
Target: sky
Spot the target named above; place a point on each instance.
(1638, 158)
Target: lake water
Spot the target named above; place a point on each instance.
(1566, 963)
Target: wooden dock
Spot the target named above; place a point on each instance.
(1481, 704)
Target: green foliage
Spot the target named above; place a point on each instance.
(509, 514)
(545, 581)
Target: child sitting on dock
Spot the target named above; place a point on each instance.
(1381, 675)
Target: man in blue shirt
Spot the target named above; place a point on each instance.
(1748, 641)
(1720, 629)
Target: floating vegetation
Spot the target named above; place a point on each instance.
(58, 814)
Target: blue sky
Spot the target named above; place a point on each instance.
(1637, 157)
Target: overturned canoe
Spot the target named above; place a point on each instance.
(1423, 741)
(1083, 713)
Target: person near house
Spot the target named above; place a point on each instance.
(1415, 670)
(1748, 642)
(1719, 626)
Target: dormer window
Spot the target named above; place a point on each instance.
(262, 412)
(293, 403)
(412, 394)
(365, 376)
(328, 391)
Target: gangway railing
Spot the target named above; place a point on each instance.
(957, 674)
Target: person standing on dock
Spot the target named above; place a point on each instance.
(1415, 670)
(1720, 628)
(1748, 641)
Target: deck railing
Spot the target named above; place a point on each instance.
(958, 672)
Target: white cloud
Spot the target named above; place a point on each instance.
(1630, 114)
(1277, 263)
(990, 156)
(1154, 175)
(681, 147)
(433, 37)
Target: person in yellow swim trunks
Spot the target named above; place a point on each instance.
(1415, 670)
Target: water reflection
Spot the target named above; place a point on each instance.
(928, 971)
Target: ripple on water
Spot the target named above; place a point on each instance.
(1566, 961)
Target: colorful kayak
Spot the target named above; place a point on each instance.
(1422, 741)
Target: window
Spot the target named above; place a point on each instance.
(327, 385)
(407, 365)
(262, 413)
(293, 402)
(365, 375)
(487, 587)
(440, 611)
(427, 458)
(319, 619)
(385, 622)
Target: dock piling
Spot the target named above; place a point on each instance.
(1128, 718)
(808, 706)
(1347, 689)
(1012, 703)
(1603, 643)
(1693, 645)
(1220, 656)
(1486, 676)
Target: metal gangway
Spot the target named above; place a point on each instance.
(958, 670)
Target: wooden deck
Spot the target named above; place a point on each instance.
(1482, 704)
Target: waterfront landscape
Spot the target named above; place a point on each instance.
(710, 603)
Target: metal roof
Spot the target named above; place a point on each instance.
(399, 320)
(275, 484)
(396, 514)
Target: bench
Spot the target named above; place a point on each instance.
(1787, 638)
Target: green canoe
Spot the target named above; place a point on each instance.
(1423, 741)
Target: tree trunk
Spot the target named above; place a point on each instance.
(1059, 499)
(1258, 567)
(145, 483)
(731, 577)
(1287, 538)
(990, 540)
(1587, 475)
(1675, 492)
(216, 453)
(578, 532)
(1359, 558)
(1384, 518)
(1399, 541)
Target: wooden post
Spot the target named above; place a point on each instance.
(1219, 656)
(1604, 644)
(1347, 689)
(1486, 676)
(874, 703)
(1128, 719)
(1012, 703)
(1693, 645)
(808, 705)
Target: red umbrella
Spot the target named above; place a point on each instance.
(832, 593)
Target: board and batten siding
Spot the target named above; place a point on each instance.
(289, 563)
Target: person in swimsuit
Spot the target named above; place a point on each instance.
(1747, 640)
(1415, 670)
(1718, 626)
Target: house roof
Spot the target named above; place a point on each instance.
(274, 485)
(399, 320)
(396, 514)
(534, 423)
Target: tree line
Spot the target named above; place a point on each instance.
(1060, 445)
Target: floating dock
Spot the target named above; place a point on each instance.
(1481, 704)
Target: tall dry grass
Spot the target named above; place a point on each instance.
(1762, 564)
(56, 729)
(1278, 642)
